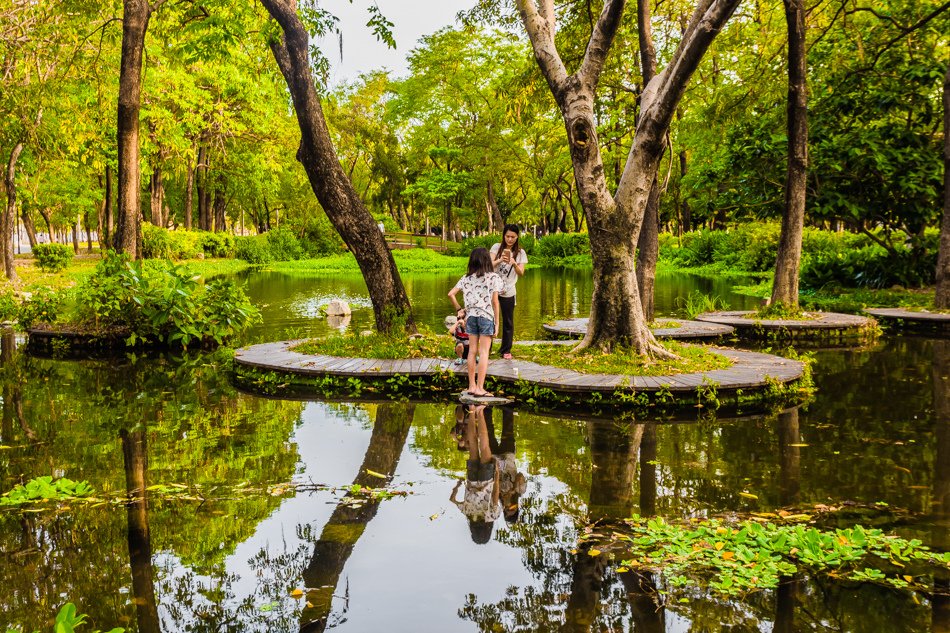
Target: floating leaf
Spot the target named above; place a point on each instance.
(375, 474)
(593, 552)
(296, 593)
(748, 495)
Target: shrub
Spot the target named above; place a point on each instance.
(52, 258)
(318, 237)
(560, 245)
(252, 249)
(283, 245)
(161, 243)
(43, 306)
(163, 304)
(8, 305)
(469, 244)
(216, 244)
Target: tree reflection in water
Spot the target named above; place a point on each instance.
(351, 516)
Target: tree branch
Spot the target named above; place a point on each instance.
(599, 44)
(540, 30)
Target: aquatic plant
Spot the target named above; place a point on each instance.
(737, 557)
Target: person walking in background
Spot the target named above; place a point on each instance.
(479, 288)
(508, 259)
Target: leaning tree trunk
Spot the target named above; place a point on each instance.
(614, 222)
(9, 215)
(787, 262)
(942, 296)
(129, 226)
(329, 182)
(29, 227)
(648, 246)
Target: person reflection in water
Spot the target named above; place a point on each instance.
(511, 483)
(481, 501)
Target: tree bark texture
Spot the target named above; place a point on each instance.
(129, 226)
(648, 246)
(189, 195)
(106, 221)
(157, 197)
(219, 206)
(614, 221)
(333, 189)
(788, 259)
(942, 296)
(29, 227)
(204, 215)
(9, 216)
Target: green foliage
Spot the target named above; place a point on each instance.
(216, 243)
(161, 243)
(163, 304)
(8, 305)
(624, 361)
(45, 488)
(68, 620)
(52, 257)
(829, 258)
(734, 559)
(283, 245)
(252, 249)
(697, 303)
(44, 305)
(561, 245)
(397, 345)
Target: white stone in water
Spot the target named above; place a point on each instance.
(337, 307)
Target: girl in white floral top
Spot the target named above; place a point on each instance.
(479, 288)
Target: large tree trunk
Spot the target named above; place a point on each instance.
(787, 262)
(330, 184)
(942, 296)
(648, 246)
(614, 222)
(219, 206)
(129, 227)
(8, 227)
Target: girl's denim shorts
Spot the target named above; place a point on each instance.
(480, 326)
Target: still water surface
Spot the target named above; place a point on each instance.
(878, 430)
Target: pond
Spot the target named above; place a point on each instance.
(252, 521)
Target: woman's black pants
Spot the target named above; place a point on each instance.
(507, 323)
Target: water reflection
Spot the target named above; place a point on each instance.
(350, 517)
(362, 563)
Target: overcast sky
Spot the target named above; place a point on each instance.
(362, 52)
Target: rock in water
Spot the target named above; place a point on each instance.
(338, 307)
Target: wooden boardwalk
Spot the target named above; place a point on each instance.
(750, 370)
(913, 319)
(821, 324)
(687, 330)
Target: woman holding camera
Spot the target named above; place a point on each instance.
(509, 260)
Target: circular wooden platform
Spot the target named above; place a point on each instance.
(916, 320)
(823, 325)
(750, 370)
(687, 330)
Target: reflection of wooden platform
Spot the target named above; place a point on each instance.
(465, 398)
(680, 329)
